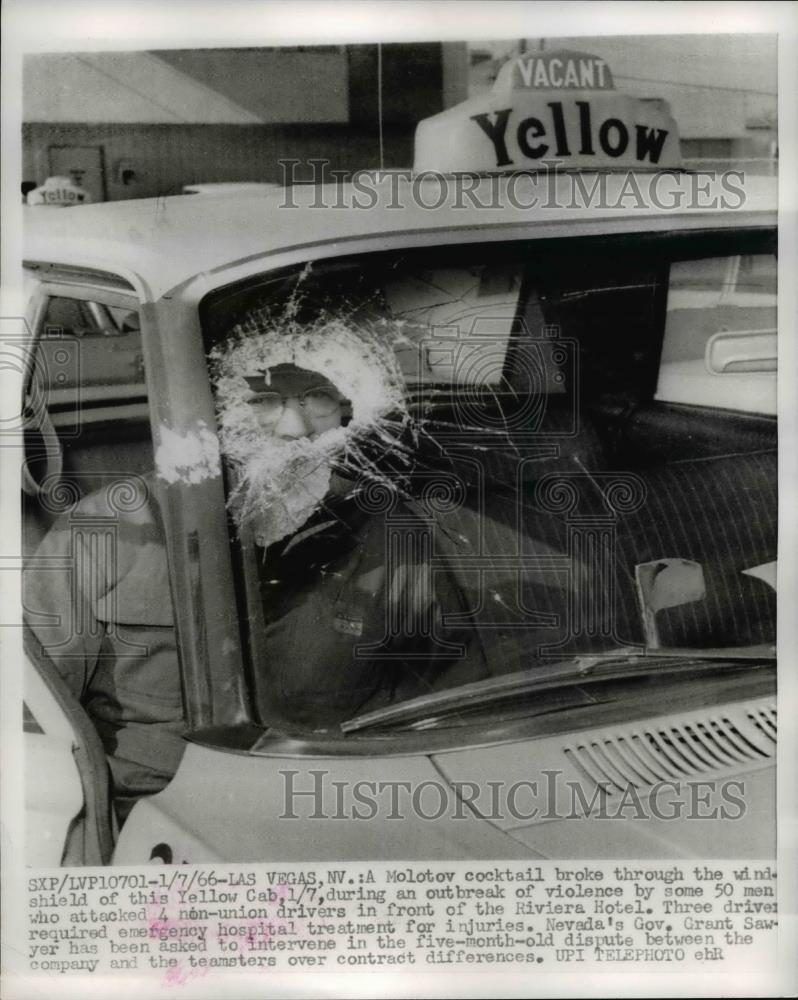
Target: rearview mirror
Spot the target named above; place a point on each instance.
(666, 583)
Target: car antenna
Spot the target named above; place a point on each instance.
(379, 106)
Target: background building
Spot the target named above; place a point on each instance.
(137, 124)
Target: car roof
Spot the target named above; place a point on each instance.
(162, 243)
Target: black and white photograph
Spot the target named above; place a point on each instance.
(394, 483)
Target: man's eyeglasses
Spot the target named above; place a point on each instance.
(317, 402)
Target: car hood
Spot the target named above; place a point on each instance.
(660, 787)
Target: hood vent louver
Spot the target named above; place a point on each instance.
(693, 745)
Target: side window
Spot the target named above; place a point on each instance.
(90, 352)
(720, 343)
(88, 416)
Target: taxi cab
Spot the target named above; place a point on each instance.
(587, 335)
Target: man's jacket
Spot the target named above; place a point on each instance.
(96, 594)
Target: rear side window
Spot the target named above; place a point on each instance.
(93, 344)
(87, 414)
(720, 343)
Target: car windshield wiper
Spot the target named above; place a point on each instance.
(612, 665)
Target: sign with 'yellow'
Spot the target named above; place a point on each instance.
(545, 109)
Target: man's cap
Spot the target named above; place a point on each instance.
(287, 376)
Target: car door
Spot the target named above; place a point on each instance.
(67, 805)
(87, 427)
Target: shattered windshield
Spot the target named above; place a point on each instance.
(447, 467)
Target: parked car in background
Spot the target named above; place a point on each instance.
(229, 187)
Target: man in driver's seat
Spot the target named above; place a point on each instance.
(345, 619)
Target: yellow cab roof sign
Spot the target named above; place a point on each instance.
(548, 107)
(60, 192)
